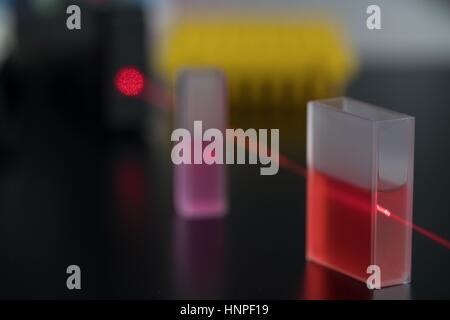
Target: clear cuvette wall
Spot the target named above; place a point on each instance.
(359, 206)
(200, 189)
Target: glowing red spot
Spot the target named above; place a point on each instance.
(384, 211)
(129, 81)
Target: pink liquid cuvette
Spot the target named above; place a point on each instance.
(200, 189)
(360, 184)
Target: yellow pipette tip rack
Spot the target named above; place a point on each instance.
(269, 60)
(273, 64)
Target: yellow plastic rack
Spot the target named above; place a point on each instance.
(273, 64)
(265, 60)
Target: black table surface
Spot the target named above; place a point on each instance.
(63, 202)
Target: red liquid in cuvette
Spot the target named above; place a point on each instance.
(338, 224)
(339, 229)
(200, 189)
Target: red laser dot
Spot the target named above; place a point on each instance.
(384, 211)
(129, 81)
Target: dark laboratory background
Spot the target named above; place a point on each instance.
(86, 175)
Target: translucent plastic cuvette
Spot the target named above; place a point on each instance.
(200, 189)
(360, 189)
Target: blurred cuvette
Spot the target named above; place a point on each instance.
(200, 189)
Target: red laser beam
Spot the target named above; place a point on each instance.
(158, 96)
(430, 235)
(300, 170)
